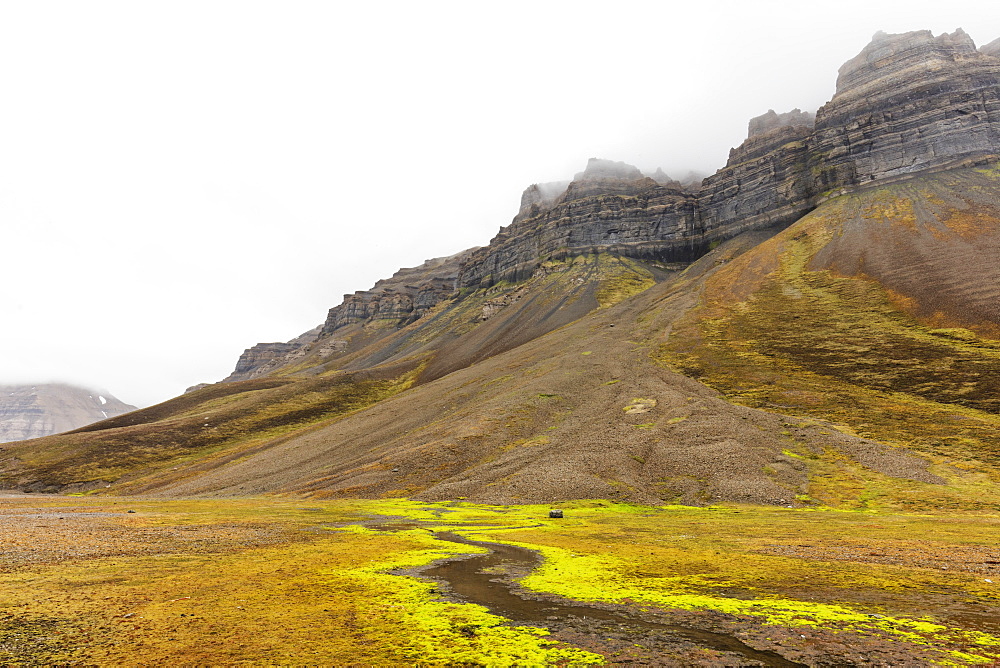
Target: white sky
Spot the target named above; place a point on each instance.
(180, 180)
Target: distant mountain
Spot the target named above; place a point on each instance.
(33, 411)
(815, 323)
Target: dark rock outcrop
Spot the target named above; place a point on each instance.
(540, 196)
(906, 104)
(265, 357)
(391, 303)
(609, 207)
(766, 182)
(795, 118)
(399, 300)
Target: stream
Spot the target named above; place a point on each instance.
(474, 579)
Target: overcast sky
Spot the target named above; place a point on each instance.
(180, 180)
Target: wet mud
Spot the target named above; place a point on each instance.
(486, 580)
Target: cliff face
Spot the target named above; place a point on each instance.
(390, 304)
(33, 411)
(266, 357)
(907, 104)
(765, 182)
(609, 207)
(405, 297)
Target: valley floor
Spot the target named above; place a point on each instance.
(142, 581)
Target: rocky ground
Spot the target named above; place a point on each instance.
(33, 535)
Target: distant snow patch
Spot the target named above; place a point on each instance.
(103, 400)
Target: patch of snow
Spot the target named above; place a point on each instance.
(104, 414)
(103, 400)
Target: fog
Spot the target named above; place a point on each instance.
(181, 180)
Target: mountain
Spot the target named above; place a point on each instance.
(815, 323)
(33, 411)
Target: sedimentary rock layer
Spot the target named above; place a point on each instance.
(609, 207)
(401, 299)
(907, 104)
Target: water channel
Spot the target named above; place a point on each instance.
(475, 579)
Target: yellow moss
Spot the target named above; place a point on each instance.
(619, 279)
(323, 594)
(326, 599)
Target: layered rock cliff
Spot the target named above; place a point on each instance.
(405, 297)
(33, 411)
(390, 304)
(907, 104)
(266, 357)
(609, 207)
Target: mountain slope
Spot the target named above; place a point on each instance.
(865, 313)
(32, 411)
(326, 383)
(581, 412)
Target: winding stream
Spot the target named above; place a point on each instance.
(474, 579)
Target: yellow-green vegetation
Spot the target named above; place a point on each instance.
(697, 558)
(781, 336)
(320, 590)
(620, 278)
(323, 595)
(639, 405)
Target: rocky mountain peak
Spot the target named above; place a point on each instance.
(662, 177)
(991, 49)
(771, 121)
(905, 105)
(606, 177)
(888, 55)
(33, 411)
(599, 168)
(539, 196)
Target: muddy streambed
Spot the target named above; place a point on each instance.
(487, 580)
